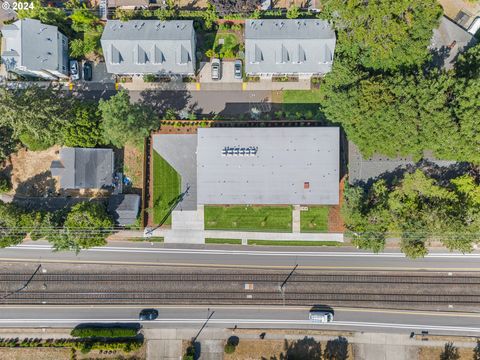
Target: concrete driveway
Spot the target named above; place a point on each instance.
(205, 73)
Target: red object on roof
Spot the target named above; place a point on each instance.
(306, 185)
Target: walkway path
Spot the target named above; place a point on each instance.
(296, 219)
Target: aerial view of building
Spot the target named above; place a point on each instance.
(289, 46)
(140, 47)
(30, 48)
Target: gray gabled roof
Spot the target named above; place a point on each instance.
(31, 44)
(289, 46)
(124, 208)
(149, 46)
(296, 166)
(81, 168)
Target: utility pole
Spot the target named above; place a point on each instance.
(24, 285)
(282, 287)
(203, 326)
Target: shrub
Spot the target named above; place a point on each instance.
(32, 143)
(108, 332)
(148, 78)
(5, 185)
(189, 353)
(229, 348)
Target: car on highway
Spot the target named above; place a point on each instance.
(148, 314)
(216, 69)
(87, 71)
(320, 316)
(237, 69)
(74, 70)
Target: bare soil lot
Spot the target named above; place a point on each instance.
(34, 354)
(433, 353)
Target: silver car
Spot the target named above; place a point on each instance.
(237, 68)
(74, 70)
(320, 316)
(216, 69)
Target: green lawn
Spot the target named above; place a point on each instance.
(293, 243)
(223, 241)
(302, 101)
(249, 218)
(315, 219)
(229, 48)
(166, 188)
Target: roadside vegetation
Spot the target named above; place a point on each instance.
(249, 218)
(293, 243)
(223, 241)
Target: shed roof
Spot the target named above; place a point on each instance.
(124, 208)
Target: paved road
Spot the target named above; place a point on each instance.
(142, 253)
(246, 317)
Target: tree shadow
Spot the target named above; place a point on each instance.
(336, 349)
(161, 101)
(306, 348)
(41, 184)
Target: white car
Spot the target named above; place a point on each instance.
(216, 69)
(320, 316)
(74, 70)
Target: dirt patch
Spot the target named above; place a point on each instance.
(133, 166)
(34, 354)
(433, 353)
(335, 220)
(306, 348)
(30, 171)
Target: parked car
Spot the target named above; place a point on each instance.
(87, 71)
(320, 316)
(216, 69)
(74, 70)
(148, 314)
(238, 69)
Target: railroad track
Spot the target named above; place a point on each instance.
(257, 278)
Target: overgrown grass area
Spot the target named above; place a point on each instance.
(293, 243)
(223, 241)
(315, 219)
(249, 218)
(230, 47)
(166, 189)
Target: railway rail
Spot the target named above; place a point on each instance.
(216, 277)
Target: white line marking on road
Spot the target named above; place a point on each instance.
(246, 252)
(228, 322)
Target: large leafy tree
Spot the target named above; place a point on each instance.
(415, 209)
(14, 224)
(86, 225)
(383, 34)
(124, 122)
(36, 113)
(391, 115)
(85, 129)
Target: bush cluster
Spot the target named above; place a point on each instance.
(107, 332)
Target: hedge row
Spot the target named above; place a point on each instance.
(84, 345)
(107, 332)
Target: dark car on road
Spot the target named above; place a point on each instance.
(148, 314)
(87, 71)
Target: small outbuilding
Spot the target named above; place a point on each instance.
(124, 208)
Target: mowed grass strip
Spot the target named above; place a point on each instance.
(223, 241)
(315, 219)
(166, 188)
(293, 243)
(249, 218)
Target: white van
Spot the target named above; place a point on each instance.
(320, 316)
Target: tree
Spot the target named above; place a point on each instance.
(83, 19)
(293, 12)
(85, 130)
(123, 122)
(476, 351)
(450, 352)
(87, 224)
(37, 114)
(14, 224)
(227, 7)
(7, 142)
(383, 34)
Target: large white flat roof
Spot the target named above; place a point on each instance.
(268, 166)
